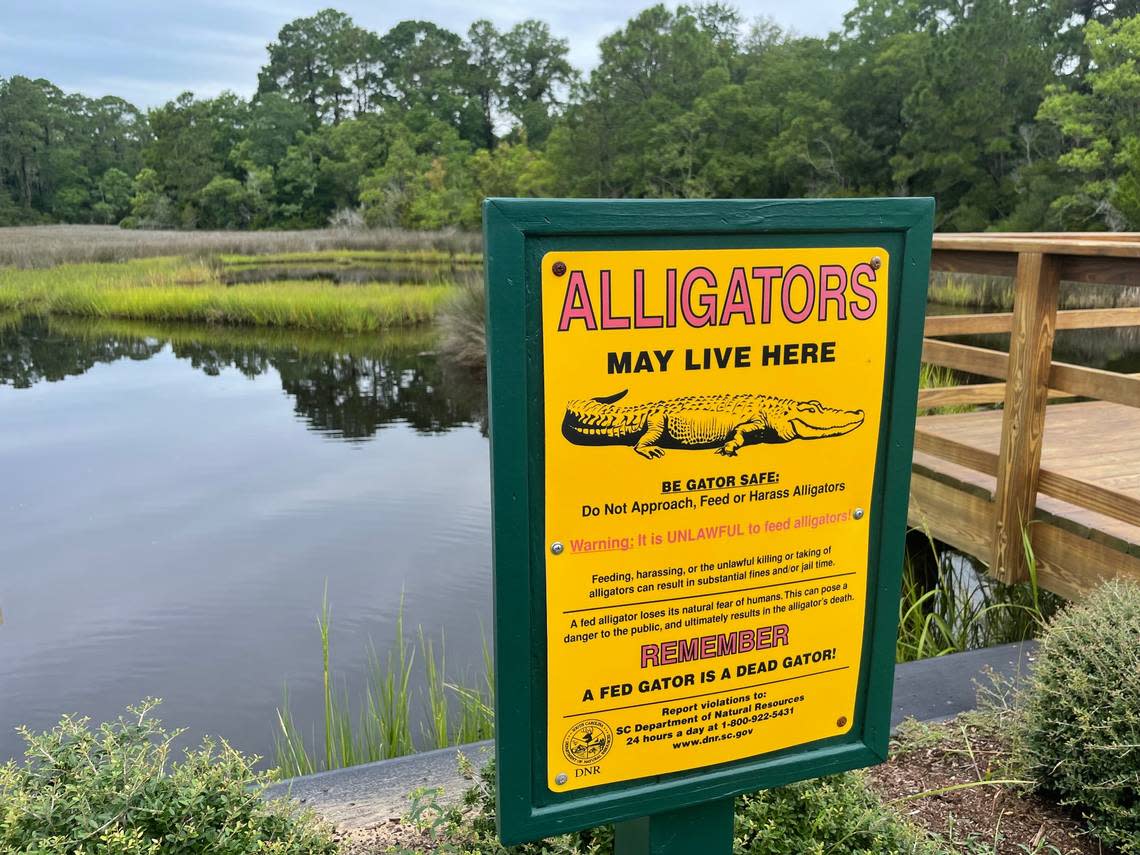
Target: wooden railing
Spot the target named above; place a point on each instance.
(1037, 263)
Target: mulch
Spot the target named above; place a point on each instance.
(1004, 817)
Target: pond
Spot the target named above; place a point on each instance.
(176, 500)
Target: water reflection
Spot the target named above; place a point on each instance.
(177, 500)
(347, 387)
(31, 353)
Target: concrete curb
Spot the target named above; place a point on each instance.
(361, 796)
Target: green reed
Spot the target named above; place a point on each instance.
(940, 377)
(943, 610)
(381, 728)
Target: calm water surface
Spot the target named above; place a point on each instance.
(174, 502)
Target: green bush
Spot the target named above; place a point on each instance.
(1080, 722)
(837, 815)
(112, 791)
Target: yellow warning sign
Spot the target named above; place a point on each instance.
(712, 420)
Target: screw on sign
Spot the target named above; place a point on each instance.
(714, 614)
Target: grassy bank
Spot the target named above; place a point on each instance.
(177, 289)
(47, 246)
(309, 343)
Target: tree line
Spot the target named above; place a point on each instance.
(1014, 114)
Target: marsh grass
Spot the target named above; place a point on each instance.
(947, 605)
(349, 258)
(47, 246)
(995, 293)
(304, 342)
(381, 727)
(171, 289)
(940, 377)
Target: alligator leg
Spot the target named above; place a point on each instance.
(655, 424)
(738, 438)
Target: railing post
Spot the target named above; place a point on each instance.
(1023, 421)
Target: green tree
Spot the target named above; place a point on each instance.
(321, 173)
(982, 79)
(1099, 123)
(536, 76)
(650, 75)
(226, 203)
(114, 190)
(483, 77)
(274, 124)
(25, 137)
(425, 181)
(151, 207)
(309, 62)
(427, 76)
(192, 141)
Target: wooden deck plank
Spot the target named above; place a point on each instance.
(1097, 442)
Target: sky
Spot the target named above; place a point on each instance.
(149, 52)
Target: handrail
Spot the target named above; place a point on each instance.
(1037, 262)
(1073, 244)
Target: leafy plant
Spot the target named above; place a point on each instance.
(1079, 731)
(114, 790)
(835, 815)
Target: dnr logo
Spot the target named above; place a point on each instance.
(587, 742)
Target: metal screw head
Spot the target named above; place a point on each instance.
(561, 778)
(559, 268)
(858, 513)
(876, 262)
(556, 547)
(841, 721)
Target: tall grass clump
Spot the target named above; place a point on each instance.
(940, 377)
(116, 790)
(1079, 726)
(463, 325)
(377, 724)
(178, 290)
(946, 606)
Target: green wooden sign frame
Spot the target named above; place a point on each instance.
(518, 232)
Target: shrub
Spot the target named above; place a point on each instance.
(1080, 723)
(112, 791)
(837, 815)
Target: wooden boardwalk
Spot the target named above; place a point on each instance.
(1097, 443)
(1065, 476)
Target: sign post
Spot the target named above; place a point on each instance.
(702, 417)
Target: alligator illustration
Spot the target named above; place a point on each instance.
(724, 422)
